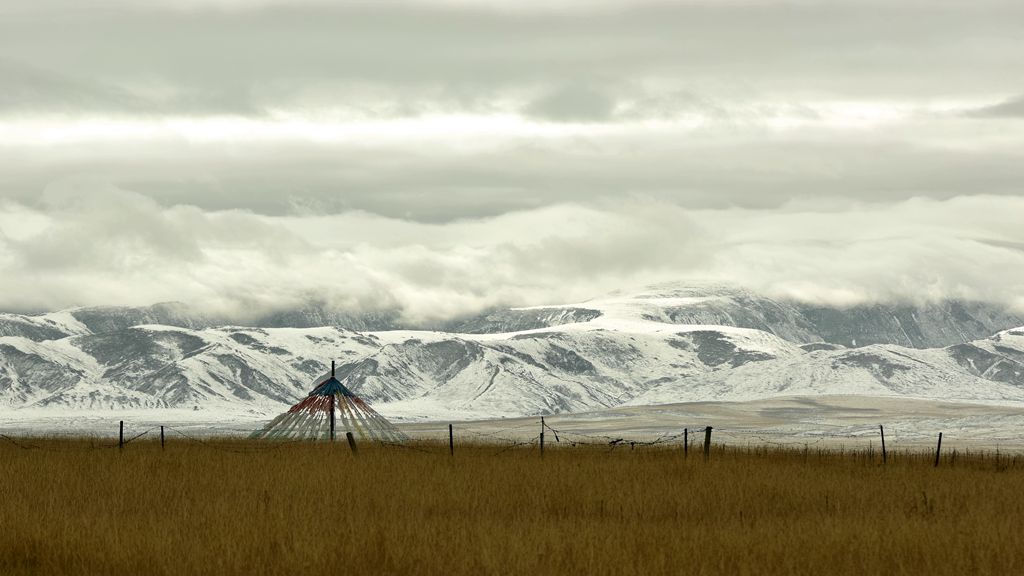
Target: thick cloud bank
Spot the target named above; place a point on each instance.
(445, 156)
(119, 247)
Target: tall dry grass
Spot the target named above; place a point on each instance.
(228, 508)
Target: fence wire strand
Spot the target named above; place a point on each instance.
(515, 437)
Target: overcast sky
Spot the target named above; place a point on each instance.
(446, 156)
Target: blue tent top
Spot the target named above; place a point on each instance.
(331, 386)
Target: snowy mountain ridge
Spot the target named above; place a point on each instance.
(931, 325)
(624, 350)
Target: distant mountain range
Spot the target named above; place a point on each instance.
(666, 344)
(100, 319)
(916, 326)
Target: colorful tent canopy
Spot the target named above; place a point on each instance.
(329, 411)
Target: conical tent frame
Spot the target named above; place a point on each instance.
(330, 410)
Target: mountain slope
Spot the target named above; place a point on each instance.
(520, 319)
(549, 371)
(160, 366)
(989, 370)
(51, 326)
(608, 352)
(916, 326)
(425, 374)
(540, 372)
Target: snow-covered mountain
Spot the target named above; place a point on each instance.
(988, 370)
(519, 319)
(917, 326)
(636, 349)
(99, 319)
(525, 373)
(160, 366)
(912, 325)
(42, 326)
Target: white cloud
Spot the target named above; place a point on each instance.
(444, 156)
(239, 263)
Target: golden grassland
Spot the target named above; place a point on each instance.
(237, 507)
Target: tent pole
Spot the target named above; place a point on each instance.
(332, 417)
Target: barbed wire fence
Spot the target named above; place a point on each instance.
(880, 441)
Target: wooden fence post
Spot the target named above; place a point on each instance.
(161, 437)
(938, 450)
(120, 435)
(707, 442)
(352, 443)
(451, 441)
(542, 436)
(885, 456)
(686, 442)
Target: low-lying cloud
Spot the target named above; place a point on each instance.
(238, 263)
(1011, 108)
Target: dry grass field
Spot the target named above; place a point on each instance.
(234, 507)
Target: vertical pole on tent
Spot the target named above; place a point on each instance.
(938, 450)
(161, 437)
(332, 404)
(120, 435)
(332, 417)
(451, 441)
(885, 457)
